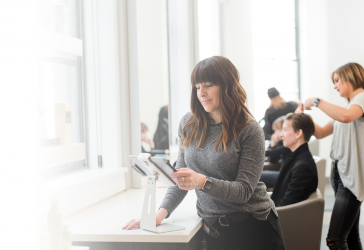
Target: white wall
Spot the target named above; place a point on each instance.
(236, 44)
(345, 36)
(183, 58)
(152, 61)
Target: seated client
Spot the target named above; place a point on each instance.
(298, 177)
(275, 152)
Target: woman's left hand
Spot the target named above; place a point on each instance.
(309, 103)
(187, 179)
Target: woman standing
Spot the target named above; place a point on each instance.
(221, 157)
(347, 175)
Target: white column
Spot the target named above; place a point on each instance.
(183, 57)
(236, 44)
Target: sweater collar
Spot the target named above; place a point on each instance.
(212, 122)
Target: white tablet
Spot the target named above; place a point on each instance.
(140, 168)
(155, 166)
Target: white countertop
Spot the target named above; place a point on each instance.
(103, 222)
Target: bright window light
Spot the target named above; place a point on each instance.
(274, 51)
(18, 85)
(206, 48)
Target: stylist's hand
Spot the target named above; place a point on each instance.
(161, 214)
(309, 103)
(300, 109)
(187, 179)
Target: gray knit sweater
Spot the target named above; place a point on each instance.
(235, 175)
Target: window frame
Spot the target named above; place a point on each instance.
(72, 45)
(296, 60)
(82, 189)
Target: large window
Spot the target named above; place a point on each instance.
(275, 57)
(61, 97)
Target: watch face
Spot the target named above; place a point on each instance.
(207, 185)
(316, 101)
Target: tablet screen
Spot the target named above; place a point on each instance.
(163, 165)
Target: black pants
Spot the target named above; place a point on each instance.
(250, 234)
(344, 224)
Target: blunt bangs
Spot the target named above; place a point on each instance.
(205, 71)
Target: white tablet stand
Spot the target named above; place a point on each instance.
(148, 219)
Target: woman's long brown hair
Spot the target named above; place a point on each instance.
(219, 71)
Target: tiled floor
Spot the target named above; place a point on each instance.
(329, 204)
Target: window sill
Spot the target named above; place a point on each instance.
(80, 190)
(62, 154)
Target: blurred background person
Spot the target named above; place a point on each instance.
(153, 151)
(278, 107)
(145, 138)
(161, 135)
(276, 152)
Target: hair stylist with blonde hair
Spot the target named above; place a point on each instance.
(347, 175)
(221, 156)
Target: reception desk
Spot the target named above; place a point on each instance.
(100, 227)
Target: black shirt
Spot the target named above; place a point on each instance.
(278, 152)
(272, 114)
(298, 178)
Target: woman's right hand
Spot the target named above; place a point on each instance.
(161, 214)
(300, 109)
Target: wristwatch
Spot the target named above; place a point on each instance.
(316, 102)
(208, 184)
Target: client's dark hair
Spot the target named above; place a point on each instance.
(303, 122)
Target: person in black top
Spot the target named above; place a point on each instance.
(298, 177)
(161, 135)
(275, 152)
(145, 138)
(277, 108)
